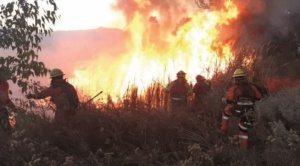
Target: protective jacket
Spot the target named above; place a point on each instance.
(244, 90)
(63, 95)
(178, 90)
(200, 89)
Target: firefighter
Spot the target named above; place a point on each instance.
(5, 103)
(179, 90)
(240, 102)
(62, 94)
(200, 90)
(4, 88)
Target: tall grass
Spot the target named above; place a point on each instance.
(141, 130)
(158, 137)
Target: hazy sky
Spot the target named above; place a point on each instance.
(87, 14)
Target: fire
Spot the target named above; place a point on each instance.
(157, 54)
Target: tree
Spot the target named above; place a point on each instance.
(23, 24)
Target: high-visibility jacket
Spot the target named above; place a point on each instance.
(242, 90)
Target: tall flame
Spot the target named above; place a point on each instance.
(192, 47)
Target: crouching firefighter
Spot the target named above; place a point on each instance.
(240, 103)
(62, 94)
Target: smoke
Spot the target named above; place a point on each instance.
(281, 14)
(275, 22)
(267, 20)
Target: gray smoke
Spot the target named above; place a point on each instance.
(279, 25)
(279, 21)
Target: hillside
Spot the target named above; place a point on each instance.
(76, 47)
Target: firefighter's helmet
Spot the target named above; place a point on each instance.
(181, 74)
(239, 73)
(200, 78)
(56, 72)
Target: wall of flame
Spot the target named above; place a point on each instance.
(159, 47)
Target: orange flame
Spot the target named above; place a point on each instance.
(193, 47)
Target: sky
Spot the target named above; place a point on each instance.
(83, 15)
(87, 14)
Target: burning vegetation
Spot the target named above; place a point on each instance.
(161, 43)
(169, 36)
(165, 37)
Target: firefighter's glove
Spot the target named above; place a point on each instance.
(29, 96)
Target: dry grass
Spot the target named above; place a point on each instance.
(146, 136)
(141, 131)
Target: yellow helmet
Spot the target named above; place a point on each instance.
(239, 73)
(56, 72)
(181, 74)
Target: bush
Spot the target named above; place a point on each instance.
(106, 135)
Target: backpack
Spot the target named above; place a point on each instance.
(244, 91)
(244, 97)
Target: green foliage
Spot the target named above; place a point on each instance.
(23, 25)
